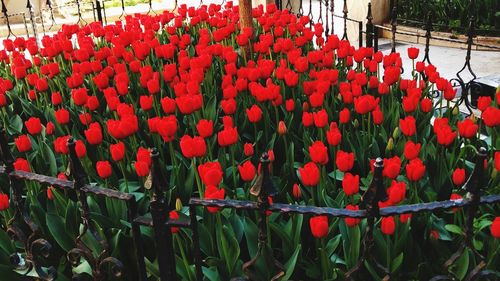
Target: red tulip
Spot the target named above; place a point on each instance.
(56, 98)
(307, 119)
(415, 169)
(94, 134)
(320, 118)
(404, 218)
(254, 114)
(467, 128)
(50, 194)
(193, 146)
(378, 116)
(168, 105)
(445, 136)
(365, 104)
(483, 103)
(497, 160)
(426, 105)
(352, 222)
(4, 202)
(350, 184)
(455, 196)
(146, 102)
(247, 171)
(117, 151)
(318, 153)
(411, 150)
(413, 52)
(344, 116)
(22, 164)
(227, 136)
(396, 192)
(212, 192)
(80, 149)
(61, 145)
(319, 226)
(290, 105)
(205, 128)
(309, 174)
(387, 225)
(103, 169)
(392, 166)
(491, 116)
(79, 96)
(408, 126)
(210, 173)
(23, 143)
(296, 192)
(495, 228)
(62, 116)
(344, 161)
(228, 106)
(141, 168)
(333, 136)
(33, 125)
(458, 176)
(248, 149)
(144, 155)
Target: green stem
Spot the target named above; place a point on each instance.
(183, 255)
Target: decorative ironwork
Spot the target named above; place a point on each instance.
(4, 12)
(428, 29)
(369, 27)
(345, 11)
(394, 24)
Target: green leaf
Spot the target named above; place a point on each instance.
(72, 219)
(290, 264)
(453, 228)
(56, 228)
(211, 273)
(461, 266)
(48, 156)
(396, 263)
(6, 243)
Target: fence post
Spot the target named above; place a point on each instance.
(345, 11)
(33, 23)
(373, 195)
(136, 235)
(428, 29)
(369, 27)
(196, 242)
(394, 23)
(263, 189)
(245, 8)
(98, 10)
(159, 213)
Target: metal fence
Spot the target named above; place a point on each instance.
(23, 228)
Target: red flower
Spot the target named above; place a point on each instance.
(247, 171)
(210, 173)
(307, 119)
(309, 174)
(23, 143)
(61, 145)
(49, 128)
(404, 218)
(193, 146)
(319, 226)
(4, 202)
(168, 105)
(467, 128)
(33, 125)
(254, 114)
(144, 155)
(387, 225)
(117, 151)
(434, 234)
(344, 116)
(344, 161)
(426, 105)
(227, 136)
(189, 103)
(50, 194)
(483, 103)
(458, 176)
(141, 168)
(205, 128)
(396, 192)
(365, 104)
(491, 116)
(146, 102)
(378, 116)
(318, 153)
(392, 166)
(22, 164)
(411, 150)
(79, 96)
(320, 118)
(296, 192)
(167, 127)
(290, 105)
(350, 184)
(80, 149)
(455, 196)
(94, 134)
(408, 126)
(413, 52)
(445, 136)
(248, 149)
(352, 222)
(415, 169)
(103, 169)
(212, 192)
(92, 103)
(228, 106)
(333, 136)
(62, 116)
(495, 228)
(56, 98)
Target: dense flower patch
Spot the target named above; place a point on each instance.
(212, 98)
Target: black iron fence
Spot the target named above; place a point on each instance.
(22, 227)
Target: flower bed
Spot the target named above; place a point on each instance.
(212, 98)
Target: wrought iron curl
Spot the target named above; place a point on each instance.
(4, 12)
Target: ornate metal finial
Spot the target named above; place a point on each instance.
(369, 27)
(394, 23)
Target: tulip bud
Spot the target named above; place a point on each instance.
(355, 123)
(390, 144)
(455, 110)
(395, 133)
(296, 192)
(305, 106)
(178, 205)
(473, 118)
(281, 128)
